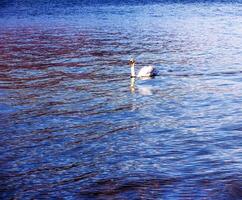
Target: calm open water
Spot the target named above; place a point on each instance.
(72, 128)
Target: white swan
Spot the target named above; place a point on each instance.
(147, 71)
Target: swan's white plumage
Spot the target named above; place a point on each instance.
(147, 71)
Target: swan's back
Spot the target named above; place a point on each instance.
(147, 71)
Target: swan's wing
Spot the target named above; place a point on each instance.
(147, 71)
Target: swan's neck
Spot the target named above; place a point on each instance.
(132, 71)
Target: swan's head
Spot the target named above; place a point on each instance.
(131, 62)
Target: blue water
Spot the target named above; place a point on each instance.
(71, 125)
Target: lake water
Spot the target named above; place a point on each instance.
(73, 128)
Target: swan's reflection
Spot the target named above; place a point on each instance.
(141, 89)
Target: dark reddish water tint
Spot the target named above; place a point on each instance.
(71, 127)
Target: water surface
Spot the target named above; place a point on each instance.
(73, 128)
